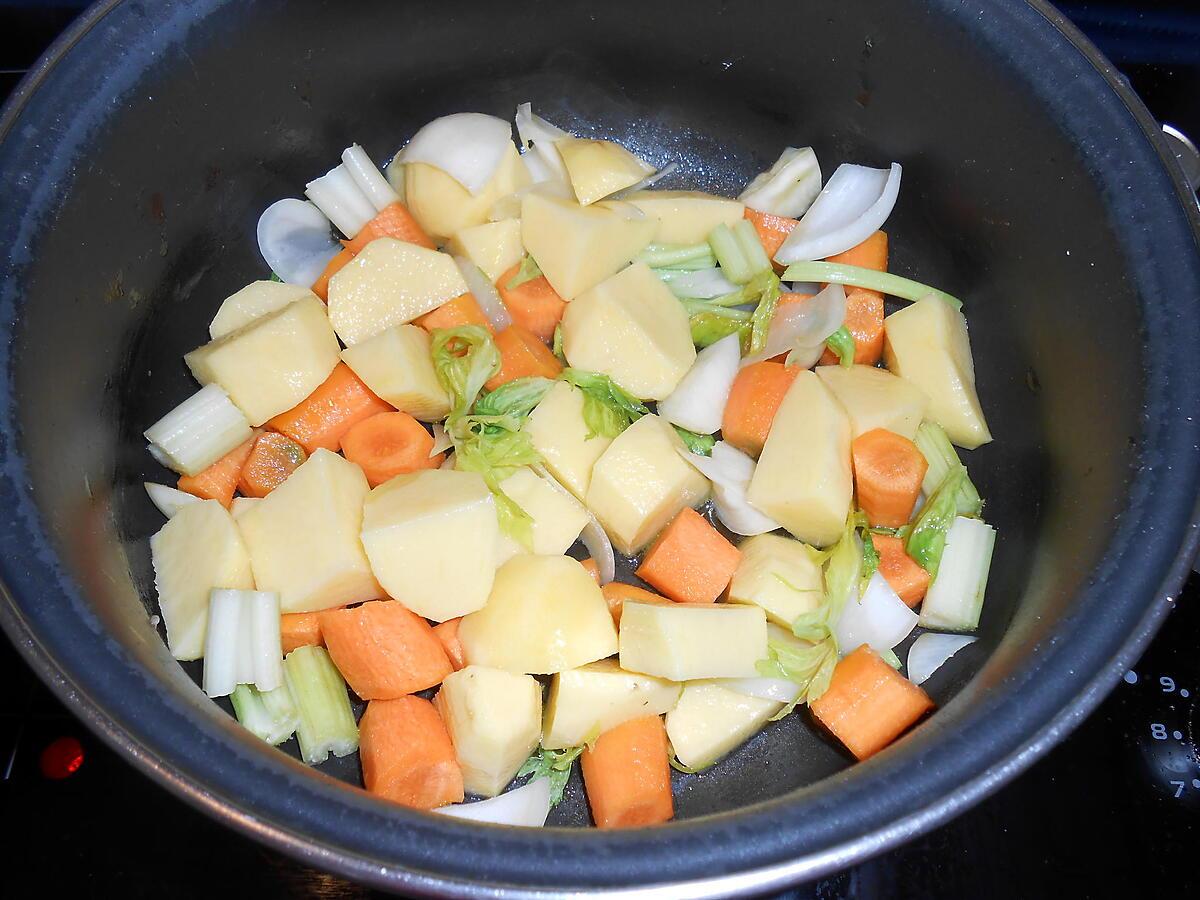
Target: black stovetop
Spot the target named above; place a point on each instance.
(1113, 811)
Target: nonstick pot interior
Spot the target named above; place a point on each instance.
(134, 166)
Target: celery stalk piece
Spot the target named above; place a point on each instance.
(955, 599)
(931, 440)
(678, 256)
(326, 721)
(857, 276)
(199, 431)
(270, 715)
(730, 254)
(752, 247)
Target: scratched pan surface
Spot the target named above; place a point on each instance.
(134, 167)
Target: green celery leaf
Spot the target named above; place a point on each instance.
(890, 657)
(870, 561)
(514, 398)
(527, 272)
(926, 539)
(558, 344)
(700, 444)
(710, 325)
(841, 342)
(766, 286)
(495, 447)
(608, 409)
(464, 358)
(276, 278)
(553, 764)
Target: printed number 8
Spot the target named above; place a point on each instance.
(1158, 731)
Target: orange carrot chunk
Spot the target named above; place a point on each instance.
(219, 481)
(300, 630)
(272, 459)
(772, 230)
(533, 304)
(321, 418)
(321, 285)
(390, 444)
(864, 308)
(447, 633)
(383, 650)
(522, 354)
(394, 221)
(753, 401)
(690, 561)
(462, 310)
(905, 575)
(888, 470)
(615, 594)
(627, 774)
(406, 753)
(869, 704)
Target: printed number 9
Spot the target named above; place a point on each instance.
(1158, 731)
(1168, 684)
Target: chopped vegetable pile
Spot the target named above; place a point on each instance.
(459, 373)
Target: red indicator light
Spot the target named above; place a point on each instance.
(62, 758)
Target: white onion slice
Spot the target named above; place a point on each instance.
(441, 440)
(701, 284)
(852, 207)
(466, 146)
(789, 187)
(169, 500)
(879, 618)
(295, 240)
(730, 471)
(698, 401)
(526, 806)
(600, 548)
(930, 650)
(485, 293)
(804, 326)
(368, 177)
(646, 182)
(339, 197)
(537, 137)
(781, 690)
(448, 462)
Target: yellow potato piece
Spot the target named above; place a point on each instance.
(686, 217)
(779, 574)
(599, 168)
(586, 702)
(254, 300)
(443, 207)
(557, 516)
(495, 247)
(396, 365)
(710, 721)
(560, 435)
(686, 641)
(875, 398)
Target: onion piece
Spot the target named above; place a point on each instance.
(698, 401)
(789, 187)
(803, 327)
(537, 136)
(645, 182)
(441, 440)
(701, 284)
(879, 618)
(449, 462)
(852, 207)
(169, 500)
(485, 294)
(339, 197)
(929, 651)
(466, 146)
(368, 177)
(781, 690)
(526, 806)
(295, 240)
(730, 471)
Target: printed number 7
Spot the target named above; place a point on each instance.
(1179, 786)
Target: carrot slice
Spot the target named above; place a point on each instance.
(615, 594)
(753, 401)
(321, 418)
(905, 575)
(869, 704)
(690, 561)
(462, 310)
(394, 221)
(888, 471)
(522, 354)
(627, 774)
(447, 633)
(533, 304)
(272, 459)
(772, 230)
(321, 285)
(864, 308)
(390, 444)
(219, 481)
(589, 566)
(300, 630)
(383, 650)
(406, 753)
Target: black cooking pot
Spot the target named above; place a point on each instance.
(134, 162)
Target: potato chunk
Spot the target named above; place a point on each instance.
(779, 574)
(595, 698)
(443, 207)
(927, 344)
(545, 614)
(803, 478)
(303, 537)
(641, 482)
(631, 328)
(273, 362)
(495, 247)
(557, 516)
(431, 537)
(560, 435)
(396, 365)
(875, 398)
(710, 721)
(577, 247)
(599, 168)
(685, 641)
(686, 217)
(389, 283)
(197, 550)
(494, 719)
(256, 299)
